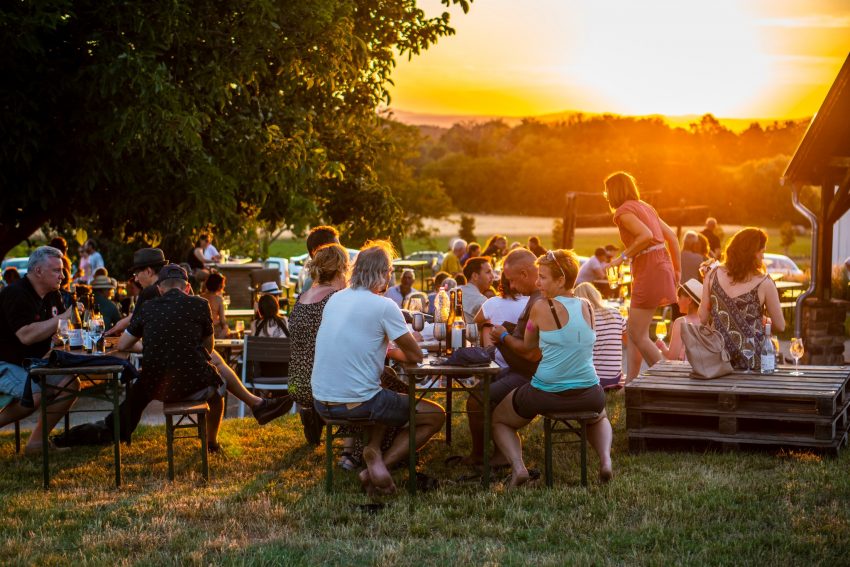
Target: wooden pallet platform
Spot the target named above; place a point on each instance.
(823, 391)
(811, 411)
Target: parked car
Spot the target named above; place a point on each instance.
(19, 263)
(782, 267)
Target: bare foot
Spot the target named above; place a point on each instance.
(519, 476)
(377, 470)
(606, 474)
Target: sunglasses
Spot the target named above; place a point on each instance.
(551, 256)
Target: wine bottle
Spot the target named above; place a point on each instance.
(75, 329)
(459, 324)
(768, 354)
(450, 322)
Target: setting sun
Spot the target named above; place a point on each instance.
(754, 59)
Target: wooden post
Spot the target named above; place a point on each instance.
(823, 271)
(569, 223)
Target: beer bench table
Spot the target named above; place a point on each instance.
(665, 406)
(108, 376)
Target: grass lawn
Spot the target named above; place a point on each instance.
(265, 505)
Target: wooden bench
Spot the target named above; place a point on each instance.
(331, 434)
(574, 423)
(191, 415)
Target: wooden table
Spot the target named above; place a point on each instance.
(429, 374)
(811, 411)
(106, 375)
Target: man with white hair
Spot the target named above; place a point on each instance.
(30, 312)
(357, 325)
(399, 293)
(451, 263)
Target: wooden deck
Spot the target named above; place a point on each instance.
(810, 411)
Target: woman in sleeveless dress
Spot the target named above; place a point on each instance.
(653, 250)
(736, 294)
(329, 269)
(561, 330)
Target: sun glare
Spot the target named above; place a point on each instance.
(668, 57)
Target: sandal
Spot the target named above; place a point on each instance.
(348, 461)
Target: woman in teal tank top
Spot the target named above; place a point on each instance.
(565, 381)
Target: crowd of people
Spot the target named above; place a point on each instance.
(559, 345)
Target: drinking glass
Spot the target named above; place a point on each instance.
(96, 331)
(748, 349)
(226, 300)
(797, 351)
(472, 334)
(440, 335)
(613, 275)
(239, 327)
(661, 329)
(62, 332)
(418, 321)
(414, 304)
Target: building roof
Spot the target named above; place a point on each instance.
(825, 148)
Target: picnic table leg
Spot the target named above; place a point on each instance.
(488, 424)
(45, 450)
(411, 434)
(449, 389)
(116, 428)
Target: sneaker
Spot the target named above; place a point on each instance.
(271, 408)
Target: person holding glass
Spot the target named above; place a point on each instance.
(736, 294)
(653, 250)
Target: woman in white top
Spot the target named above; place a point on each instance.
(610, 329)
(270, 324)
(688, 300)
(505, 307)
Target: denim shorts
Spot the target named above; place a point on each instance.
(386, 407)
(13, 378)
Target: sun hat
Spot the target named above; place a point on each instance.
(693, 289)
(101, 282)
(270, 288)
(172, 271)
(147, 258)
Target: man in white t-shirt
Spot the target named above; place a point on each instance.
(479, 277)
(357, 325)
(211, 254)
(594, 269)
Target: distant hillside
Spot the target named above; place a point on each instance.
(442, 121)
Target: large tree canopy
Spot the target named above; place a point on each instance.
(150, 119)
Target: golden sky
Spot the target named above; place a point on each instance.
(731, 58)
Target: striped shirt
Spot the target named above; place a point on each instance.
(608, 349)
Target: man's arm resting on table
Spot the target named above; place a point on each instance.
(40, 330)
(129, 343)
(119, 327)
(408, 349)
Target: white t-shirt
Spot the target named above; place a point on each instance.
(497, 310)
(592, 270)
(351, 345)
(395, 294)
(210, 252)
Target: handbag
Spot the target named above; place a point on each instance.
(706, 351)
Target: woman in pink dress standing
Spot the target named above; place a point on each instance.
(653, 250)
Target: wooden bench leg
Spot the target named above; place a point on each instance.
(547, 448)
(329, 458)
(202, 434)
(583, 453)
(169, 436)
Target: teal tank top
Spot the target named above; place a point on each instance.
(567, 362)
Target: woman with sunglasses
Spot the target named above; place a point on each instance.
(653, 250)
(561, 330)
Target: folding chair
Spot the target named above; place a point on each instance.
(267, 350)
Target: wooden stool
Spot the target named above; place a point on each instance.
(191, 415)
(550, 428)
(330, 435)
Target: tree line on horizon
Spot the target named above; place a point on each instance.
(527, 169)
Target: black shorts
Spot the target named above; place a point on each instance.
(528, 401)
(504, 383)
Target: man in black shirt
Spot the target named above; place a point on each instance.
(30, 311)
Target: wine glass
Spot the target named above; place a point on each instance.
(472, 334)
(613, 275)
(414, 304)
(440, 335)
(661, 329)
(226, 300)
(797, 350)
(96, 329)
(62, 332)
(748, 349)
(239, 327)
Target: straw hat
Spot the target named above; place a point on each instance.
(693, 289)
(270, 288)
(101, 282)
